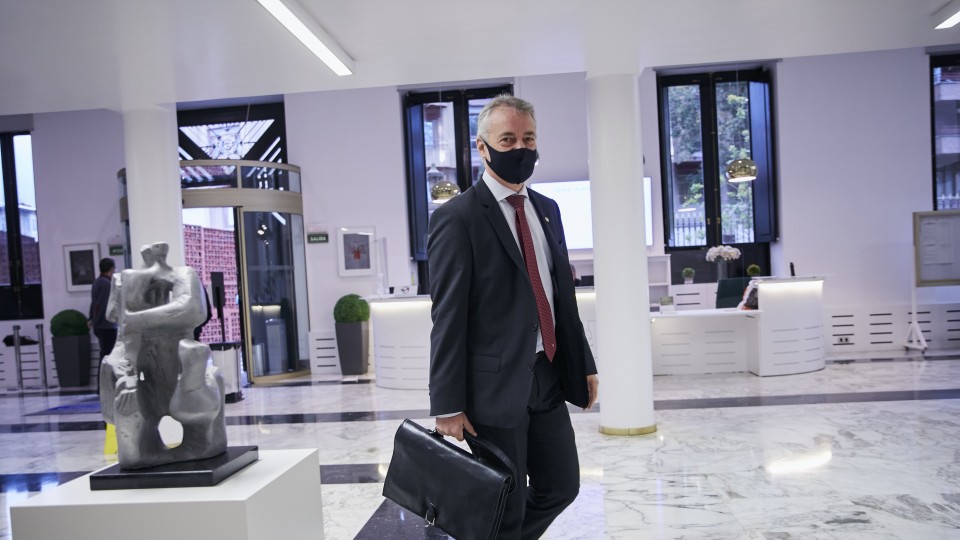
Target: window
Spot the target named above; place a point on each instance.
(21, 296)
(706, 121)
(945, 96)
(441, 128)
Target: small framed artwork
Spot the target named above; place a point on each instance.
(356, 251)
(81, 262)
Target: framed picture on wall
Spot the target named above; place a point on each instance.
(356, 246)
(82, 265)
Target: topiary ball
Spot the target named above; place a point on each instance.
(351, 308)
(753, 270)
(69, 322)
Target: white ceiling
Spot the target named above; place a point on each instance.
(119, 54)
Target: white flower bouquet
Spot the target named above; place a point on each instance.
(726, 253)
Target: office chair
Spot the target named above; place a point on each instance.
(730, 291)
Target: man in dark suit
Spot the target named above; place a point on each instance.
(507, 346)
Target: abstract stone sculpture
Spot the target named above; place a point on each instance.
(156, 368)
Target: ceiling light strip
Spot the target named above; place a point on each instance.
(948, 16)
(296, 19)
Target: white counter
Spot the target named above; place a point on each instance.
(701, 341)
(784, 337)
(401, 341)
(790, 332)
(401, 337)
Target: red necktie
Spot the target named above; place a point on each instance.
(530, 256)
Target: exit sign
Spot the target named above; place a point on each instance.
(116, 250)
(318, 238)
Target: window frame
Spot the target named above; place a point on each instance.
(938, 61)
(762, 144)
(18, 300)
(416, 170)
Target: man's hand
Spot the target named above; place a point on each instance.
(454, 426)
(593, 386)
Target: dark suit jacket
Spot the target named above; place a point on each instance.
(484, 314)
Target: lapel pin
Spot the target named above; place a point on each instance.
(545, 218)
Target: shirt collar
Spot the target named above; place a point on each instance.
(501, 192)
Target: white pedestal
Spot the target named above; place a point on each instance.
(276, 497)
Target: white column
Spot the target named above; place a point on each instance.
(620, 257)
(153, 181)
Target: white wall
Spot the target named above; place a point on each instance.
(76, 157)
(562, 138)
(854, 162)
(560, 102)
(853, 134)
(349, 145)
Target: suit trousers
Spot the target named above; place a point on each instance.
(544, 449)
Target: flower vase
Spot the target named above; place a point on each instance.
(721, 269)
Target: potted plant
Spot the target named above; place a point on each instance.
(71, 347)
(351, 314)
(753, 270)
(688, 274)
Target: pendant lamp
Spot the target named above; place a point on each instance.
(441, 189)
(741, 170)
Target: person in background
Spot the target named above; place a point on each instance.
(105, 330)
(750, 296)
(507, 349)
(199, 330)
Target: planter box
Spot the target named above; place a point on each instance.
(71, 354)
(352, 347)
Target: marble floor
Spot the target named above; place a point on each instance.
(858, 450)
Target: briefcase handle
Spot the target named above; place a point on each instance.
(490, 453)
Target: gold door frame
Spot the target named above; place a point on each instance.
(241, 200)
(248, 200)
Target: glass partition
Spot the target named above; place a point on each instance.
(273, 268)
(269, 177)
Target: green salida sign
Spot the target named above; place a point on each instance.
(318, 238)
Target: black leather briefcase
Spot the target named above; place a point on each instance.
(461, 493)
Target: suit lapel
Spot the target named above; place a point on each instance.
(493, 213)
(539, 205)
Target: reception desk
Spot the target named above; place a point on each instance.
(784, 337)
(401, 341)
(790, 327)
(401, 337)
(699, 341)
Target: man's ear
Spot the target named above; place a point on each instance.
(481, 147)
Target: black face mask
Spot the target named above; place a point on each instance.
(515, 166)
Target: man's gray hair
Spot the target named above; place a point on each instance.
(503, 100)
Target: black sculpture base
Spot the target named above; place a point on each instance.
(199, 473)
